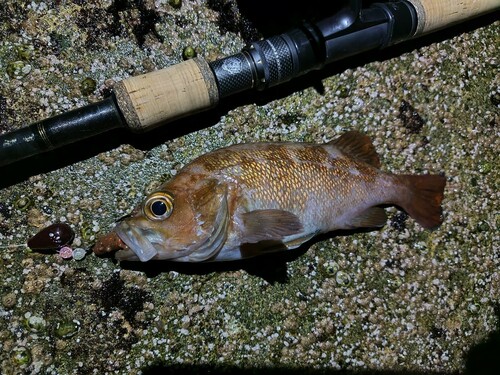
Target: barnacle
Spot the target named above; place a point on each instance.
(23, 203)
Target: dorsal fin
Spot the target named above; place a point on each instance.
(357, 146)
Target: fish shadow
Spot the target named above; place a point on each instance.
(482, 359)
(272, 266)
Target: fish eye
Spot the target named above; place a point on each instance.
(158, 206)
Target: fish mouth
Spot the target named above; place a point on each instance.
(144, 243)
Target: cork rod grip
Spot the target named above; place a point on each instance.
(152, 99)
(437, 14)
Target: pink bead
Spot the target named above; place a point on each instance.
(66, 252)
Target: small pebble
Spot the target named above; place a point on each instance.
(66, 252)
(175, 3)
(189, 53)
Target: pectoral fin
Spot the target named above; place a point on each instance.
(269, 225)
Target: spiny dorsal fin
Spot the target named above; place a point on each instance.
(265, 225)
(357, 146)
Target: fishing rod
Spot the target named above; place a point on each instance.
(146, 101)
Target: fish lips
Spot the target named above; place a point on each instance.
(137, 240)
(145, 243)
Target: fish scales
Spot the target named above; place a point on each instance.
(285, 176)
(249, 199)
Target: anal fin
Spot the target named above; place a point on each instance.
(370, 218)
(299, 241)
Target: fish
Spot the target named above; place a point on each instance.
(255, 198)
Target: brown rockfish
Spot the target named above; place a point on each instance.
(250, 199)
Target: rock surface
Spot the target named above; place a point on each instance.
(401, 298)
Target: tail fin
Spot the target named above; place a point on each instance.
(423, 202)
